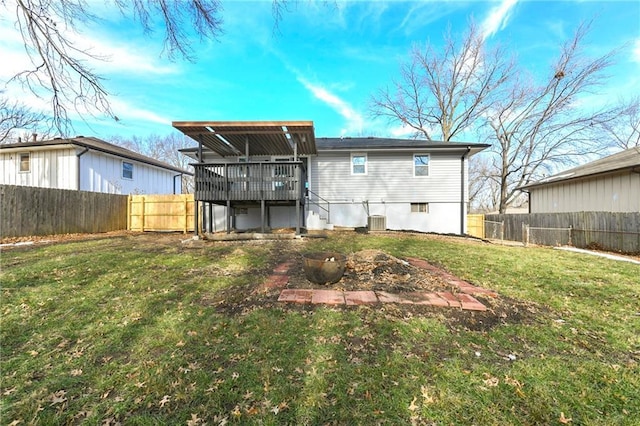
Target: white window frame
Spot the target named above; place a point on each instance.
(420, 208)
(132, 170)
(428, 165)
(366, 162)
(28, 170)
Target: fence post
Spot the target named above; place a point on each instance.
(570, 235)
(525, 234)
(142, 214)
(186, 213)
(502, 230)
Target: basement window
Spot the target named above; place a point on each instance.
(25, 162)
(127, 170)
(419, 207)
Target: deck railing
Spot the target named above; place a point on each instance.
(252, 181)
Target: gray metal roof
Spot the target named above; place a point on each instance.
(96, 145)
(629, 159)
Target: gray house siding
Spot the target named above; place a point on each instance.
(389, 178)
(389, 188)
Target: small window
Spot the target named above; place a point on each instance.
(419, 207)
(358, 164)
(421, 165)
(25, 162)
(127, 170)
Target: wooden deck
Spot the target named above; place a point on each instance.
(251, 182)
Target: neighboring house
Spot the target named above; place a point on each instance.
(87, 164)
(278, 174)
(610, 184)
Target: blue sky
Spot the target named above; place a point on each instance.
(324, 63)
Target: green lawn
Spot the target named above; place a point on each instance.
(139, 329)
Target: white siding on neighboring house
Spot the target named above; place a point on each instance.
(103, 173)
(47, 168)
(612, 193)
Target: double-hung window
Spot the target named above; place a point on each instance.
(421, 164)
(358, 164)
(25, 162)
(127, 170)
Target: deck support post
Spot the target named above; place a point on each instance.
(195, 218)
(228, 216)
(262, 203)
(211, 230)
(297, 216)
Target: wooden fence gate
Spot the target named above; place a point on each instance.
(475, 225)
(161, 213)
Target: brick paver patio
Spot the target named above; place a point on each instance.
(462, 300)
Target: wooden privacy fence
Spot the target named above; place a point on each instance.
(605, 230)
(161, 213)
(28, 211)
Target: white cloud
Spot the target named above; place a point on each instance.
(497, 18)
(354, 120)
(635, 52)
(111, 55)
(121, 58)
(401, 131)
(129, 113)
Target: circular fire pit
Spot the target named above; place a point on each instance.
(324, 267)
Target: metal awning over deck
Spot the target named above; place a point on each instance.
(242, 138)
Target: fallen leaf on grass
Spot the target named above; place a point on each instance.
(58, 397)
(490, 380)
(563, 419)
(236, 413)
(165, 399)
(194, 420)
(76, 372)
(9, 391)
(428, 399)
(413, 406)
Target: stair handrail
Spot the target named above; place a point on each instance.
(317, 203)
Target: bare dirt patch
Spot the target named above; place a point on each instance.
(373, 270)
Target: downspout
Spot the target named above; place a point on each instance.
(174, 182)
(462, 190)
(80, 154)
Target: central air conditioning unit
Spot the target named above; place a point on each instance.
(377, 223)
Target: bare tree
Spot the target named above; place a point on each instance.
(483, 188)
(59, 69)
(164, 148)
(536, 128)
(624, 130)
(16, 117)
(440, 94)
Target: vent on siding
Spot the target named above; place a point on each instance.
(377, 223)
